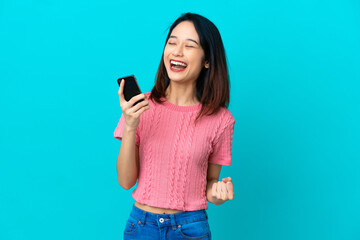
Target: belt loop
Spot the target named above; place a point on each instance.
(142, 218)
(173, 222)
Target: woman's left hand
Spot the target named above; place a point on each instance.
(223, 190)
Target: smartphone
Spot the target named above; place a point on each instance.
(131, 88)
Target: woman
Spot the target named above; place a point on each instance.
(177, 139)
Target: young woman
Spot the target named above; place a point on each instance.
(177, 139)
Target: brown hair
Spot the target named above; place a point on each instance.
(212, 85)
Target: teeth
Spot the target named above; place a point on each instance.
(178, 63)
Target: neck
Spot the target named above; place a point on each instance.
(181, 95)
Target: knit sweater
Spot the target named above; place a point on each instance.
(174, 153)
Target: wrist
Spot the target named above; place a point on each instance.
(129, 129)
(209, 196)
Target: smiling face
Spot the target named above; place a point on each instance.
(183, 55)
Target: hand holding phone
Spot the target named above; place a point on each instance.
(132, 102)
(131, 87)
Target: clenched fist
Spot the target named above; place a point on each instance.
(223, 190)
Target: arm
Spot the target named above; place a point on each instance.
(127, 164)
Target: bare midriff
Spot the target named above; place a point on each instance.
(156, 209)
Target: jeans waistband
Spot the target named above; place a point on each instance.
(173, 219)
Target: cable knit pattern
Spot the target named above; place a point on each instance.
(149, 165)
(178, 159)
(174, 153)
(187, 159)
(172, 199)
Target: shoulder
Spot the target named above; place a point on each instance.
(225, 116)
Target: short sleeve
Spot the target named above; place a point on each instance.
(119, 131)
(222, 146)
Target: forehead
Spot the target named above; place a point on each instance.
(185, 29)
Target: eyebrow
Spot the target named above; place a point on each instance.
(189, 39)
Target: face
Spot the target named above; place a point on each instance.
(183, 55)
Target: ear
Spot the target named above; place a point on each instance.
(206, 65)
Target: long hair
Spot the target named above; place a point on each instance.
(212, 85)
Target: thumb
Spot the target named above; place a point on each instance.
(227, 179)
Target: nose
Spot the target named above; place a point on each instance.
(178, 50)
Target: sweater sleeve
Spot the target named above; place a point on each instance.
(119, 131)
(222, 146)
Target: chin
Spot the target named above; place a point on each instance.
(177, 77)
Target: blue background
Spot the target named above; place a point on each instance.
(294, 70)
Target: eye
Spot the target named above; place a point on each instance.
(171, 43)
(190, 46)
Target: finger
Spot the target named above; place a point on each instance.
(138, 113)
(223, 191)
(143, 109)
(121, 91)
(218, 190)
(136, 98)
(138, 106)
(230, 190)
(223, 187)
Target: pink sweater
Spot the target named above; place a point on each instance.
(174, 154)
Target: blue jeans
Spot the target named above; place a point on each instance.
(184, 225)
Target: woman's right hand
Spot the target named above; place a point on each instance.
(132, 113)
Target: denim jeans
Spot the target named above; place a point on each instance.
(184, 225)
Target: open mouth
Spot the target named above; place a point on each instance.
(177, 66)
